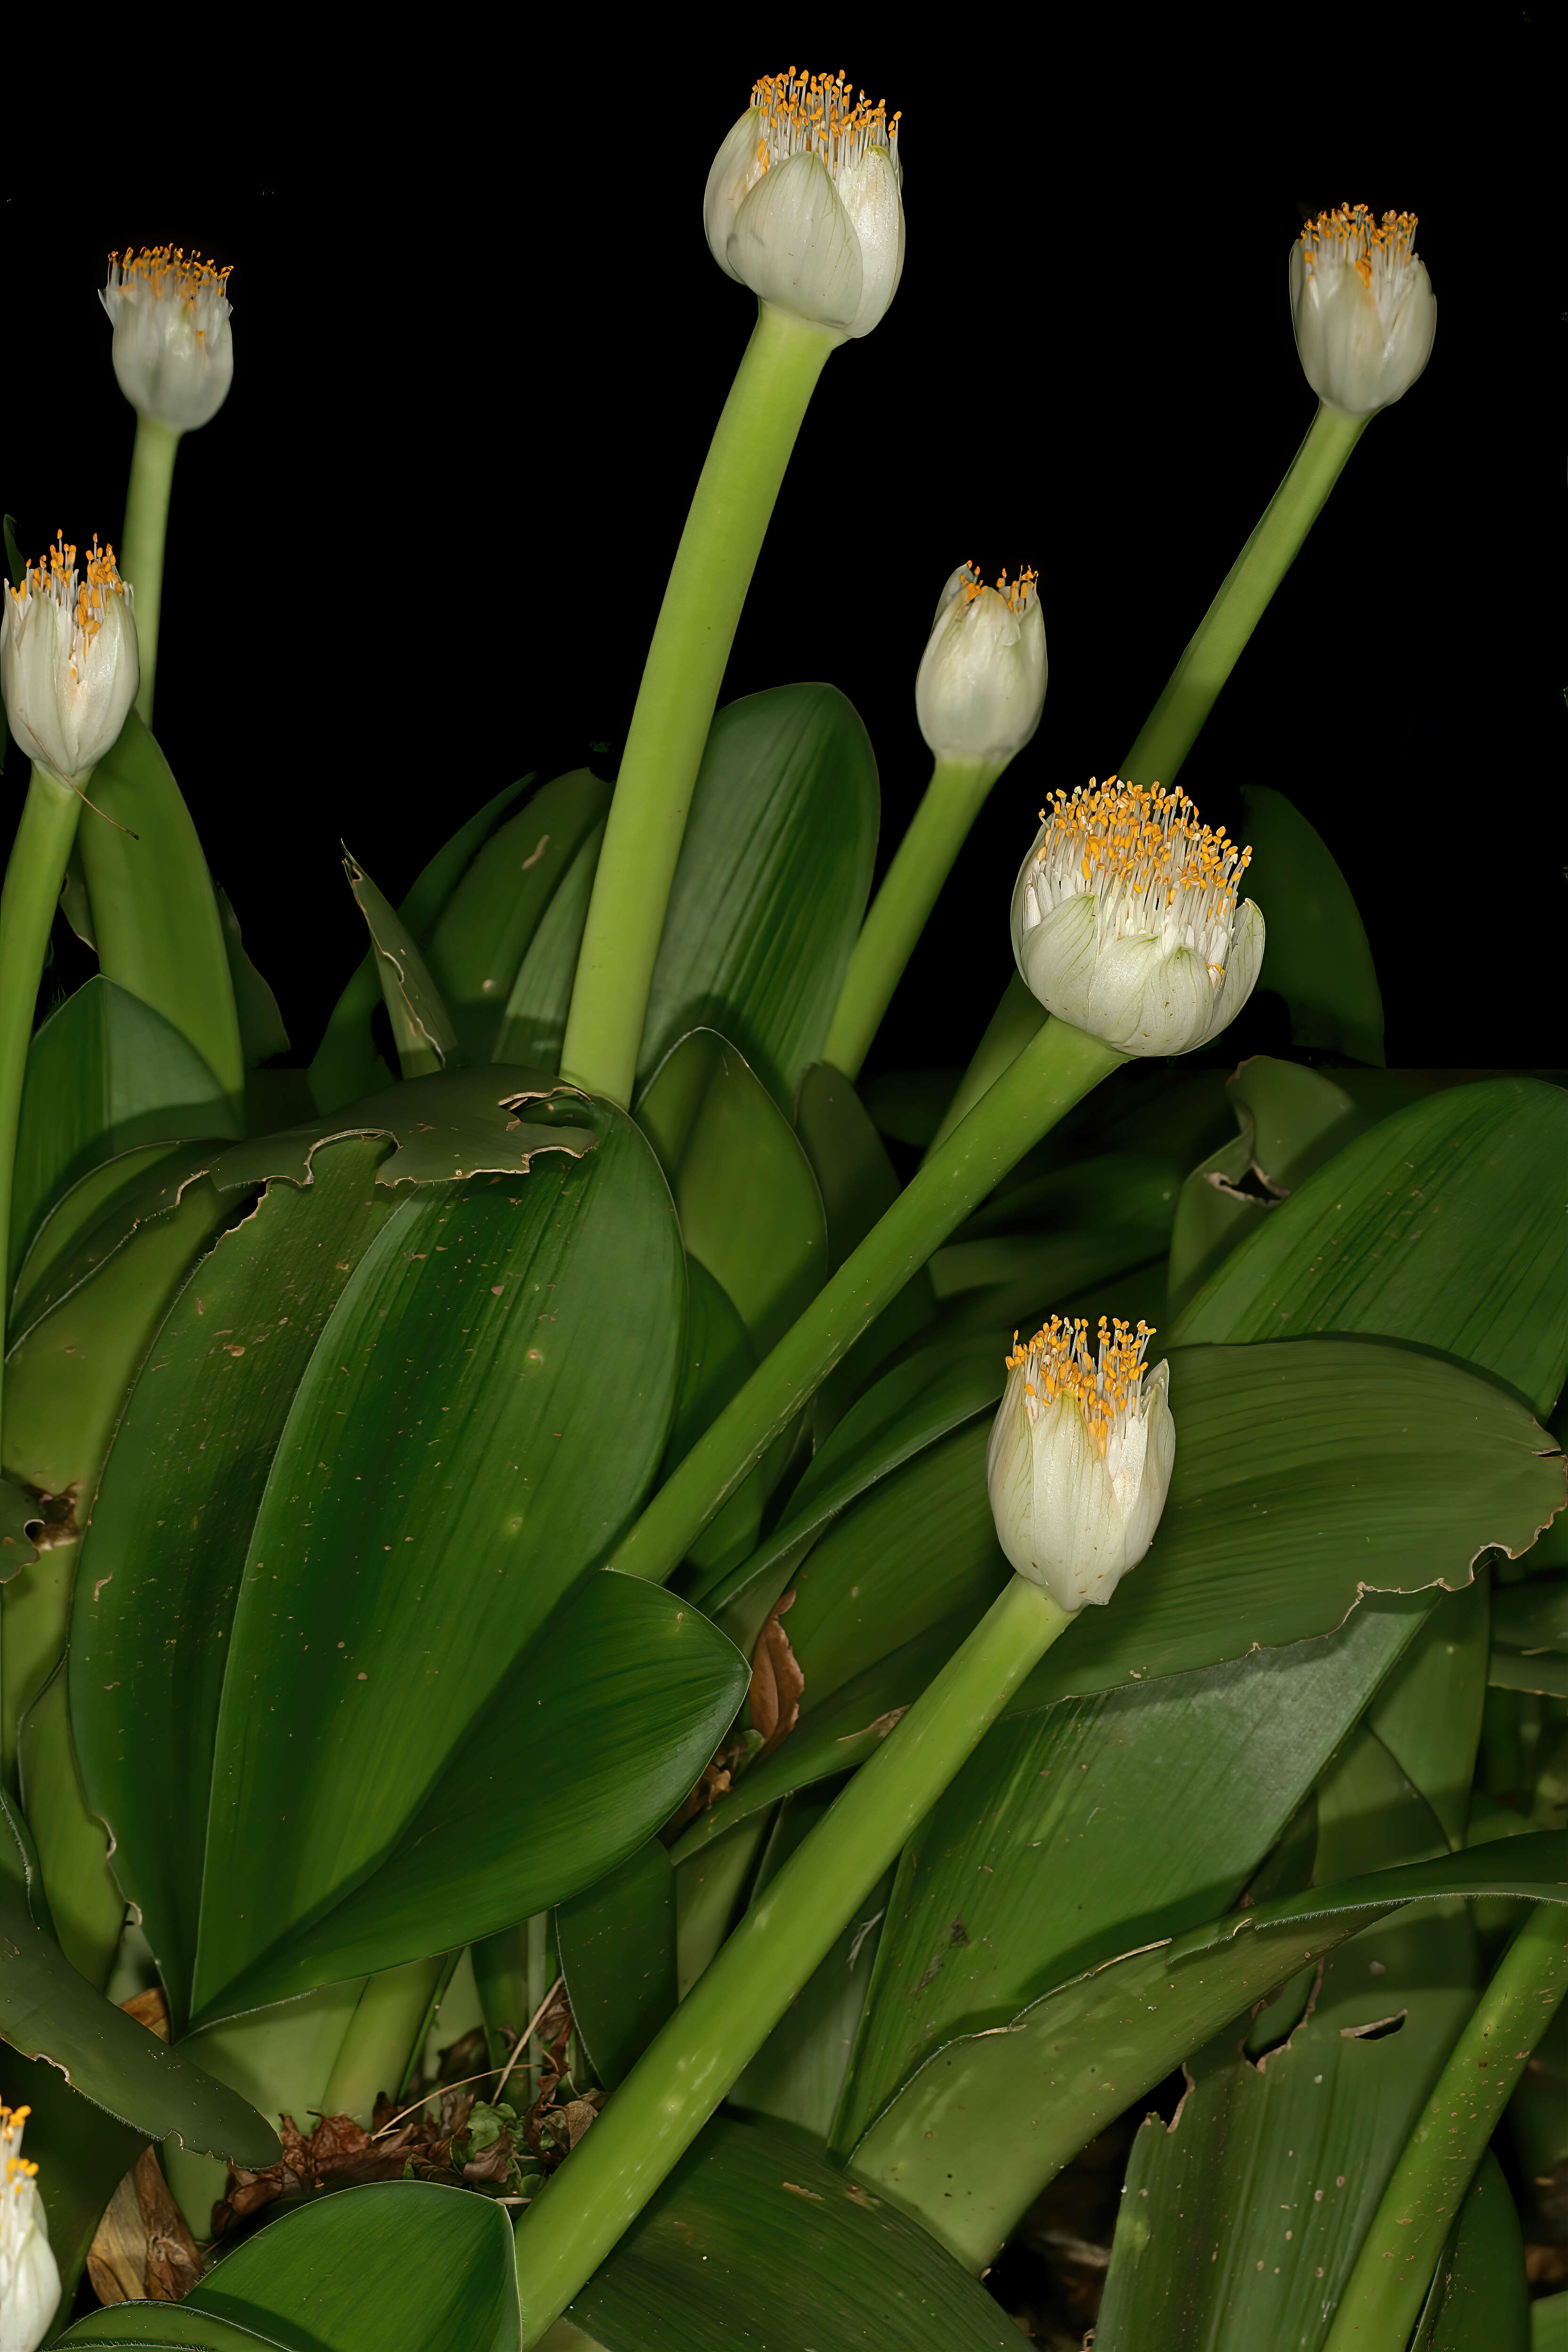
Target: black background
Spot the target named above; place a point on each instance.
(480, 346)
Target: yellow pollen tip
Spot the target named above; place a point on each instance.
(808, 113)
(1106, 1385)
(160, 269)
(1015, 594)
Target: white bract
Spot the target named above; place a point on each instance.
(802, 204)
(69, 666)
(174, 350)
(30, 2278)
(1080, 1458)
(1363, 308)
(982, 682)
(1125, 920)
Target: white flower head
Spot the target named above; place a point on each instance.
(1125, 920)
(1080, 1458)
(174, 350)
(1363, 308)
(803, 203)
(69, 666)
(29, 2277)
(981, 688)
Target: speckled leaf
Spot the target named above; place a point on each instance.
(422, 1028)
(453, 1124)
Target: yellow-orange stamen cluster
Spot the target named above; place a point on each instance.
(1350, 234)
(19, 2169)
(1015, 594)
(1142, 850)
(86, 601)
(808, 113)
(163, 269)
(1107, 1386)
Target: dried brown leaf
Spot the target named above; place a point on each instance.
(777, 1682)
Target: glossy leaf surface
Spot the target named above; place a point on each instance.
(773, 879)
(616, 1942)
(422, 1028)
(1480, 2299)
(1442, 1226)
(756, 2240)
(536, 1010)
(1319, 958)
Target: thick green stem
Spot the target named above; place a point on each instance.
(681, 681)
(373, 2056)
(1194, 686)
(30, 894)
(1055, 1072)
(679, 2082)
(922, 864)
(142, 543)
(1382, 2298)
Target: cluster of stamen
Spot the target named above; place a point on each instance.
(86, 601)
(1107, 1384)
(808, 113)
(19, 2169)
(164, 273)
(1382, 249)
(1150, 866)
(1015, 594)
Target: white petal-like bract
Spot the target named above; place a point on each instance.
(1080, 1458)
(981, 688)
(174, 350)
(29, 2275)
(68, 664)
(1363, 308)
(1125, 919)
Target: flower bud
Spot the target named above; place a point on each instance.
(1125, 920)
(982, 682)
(69, 667)
(802, 203)
(1363, 308)
(1080, 1458)
(30, 2278)
(174, 353)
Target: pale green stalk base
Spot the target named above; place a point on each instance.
(140, 551)
(1383, 2300)
(1055, 1072)
(373, 2056)
(679, 2082)
(681, 681)
(1194, 686)
(922, 864)
(28, 897)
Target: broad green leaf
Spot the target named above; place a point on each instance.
(1549, 2324)
(1003, 1890)
(347, 1063)
(105, 1074)
(81, 1211)
(557, 1780)
(749, 1204)
(1442, 1227)
(261, 1030)
(755, 2238)
(1428, 1714)
(163, 1558)
(82, 2155)
(774, 872)
(484, 1410)
(536, 1010)
(86, 1909)
(154, 910)
(479, 938)
(1073, 2061)
(1532, 1615)
(48, 2010)
(1319, 960)
(20, 1520)
(720, 1358)
(403, 2264)
(422, 1028)
(906, 1105)
(456, 1124)
(617, 1941)
(1243, 2224)
(1480, 2296)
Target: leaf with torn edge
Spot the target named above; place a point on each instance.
(446, 1127)
(19, 1516)
(421, 1026)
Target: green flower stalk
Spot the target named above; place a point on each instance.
(174, 360)
(69, 668)
(1365, 319)
(803, 205)
(979, 695)
(1078, 1471)
(1384, 2295)
(1128, 930)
